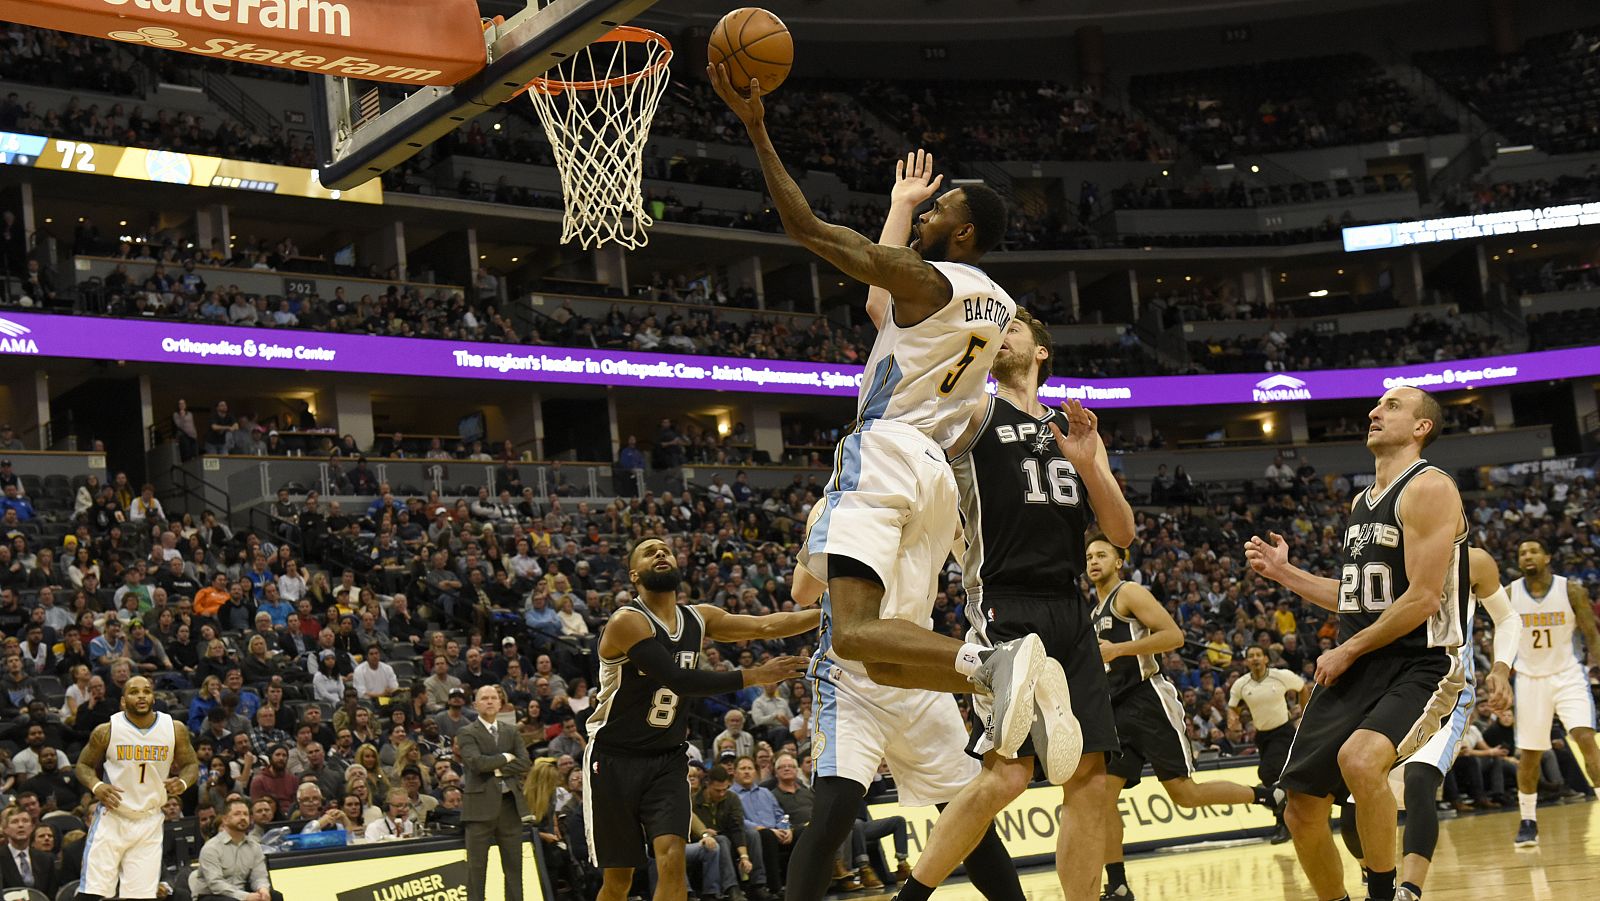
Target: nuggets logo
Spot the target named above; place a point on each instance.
(819, 741)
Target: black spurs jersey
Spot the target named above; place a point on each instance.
(1024, 509)
(635, 714)
(1373, 571)
(1123, 673)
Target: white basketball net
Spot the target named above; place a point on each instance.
(598, 132)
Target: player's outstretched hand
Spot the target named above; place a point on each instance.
(1268, 558)
(1080, 444)
(778, 669)
(174, 787)
(108, 795)
(748, 107)
(914, 181)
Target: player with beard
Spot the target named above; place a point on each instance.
(1032, 479)
(891, 503)
(137, 750)
(635, 779)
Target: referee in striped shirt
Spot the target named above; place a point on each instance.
(1265, 691)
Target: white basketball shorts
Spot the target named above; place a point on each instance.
(122, 855)
(891, 504)
(1542, 698)
(856, 724)
(1440, 750)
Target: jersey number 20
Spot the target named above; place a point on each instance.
(664, 703)
(1368, 587)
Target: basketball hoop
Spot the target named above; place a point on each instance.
(596, 107)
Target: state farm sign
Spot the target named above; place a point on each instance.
(403, 41)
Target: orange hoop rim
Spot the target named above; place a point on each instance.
(626, 34)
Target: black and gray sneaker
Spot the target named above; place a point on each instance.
(1056, 733)
(1122, 893)
(1009, 675)
(1528, 834)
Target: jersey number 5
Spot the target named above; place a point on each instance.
(974, 344)
(664, 703)
(1369, 587)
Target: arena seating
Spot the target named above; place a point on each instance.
(1548, 95)
(1009, 120)
(1288, 104)
(385, 572)
(1424, 340)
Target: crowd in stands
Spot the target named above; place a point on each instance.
(132, 125)
(324, 664)
(65, 60)
(1278, 105)
(1202, 193)
(1568, 328)
(1544, 95)
(1494, 197)
(1015, 120)
(1424, 340)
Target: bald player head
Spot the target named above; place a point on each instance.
(1404, 415)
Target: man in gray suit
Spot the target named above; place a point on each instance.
(495, 760)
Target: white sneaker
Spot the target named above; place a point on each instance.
(1057, 736)
(1009, 676)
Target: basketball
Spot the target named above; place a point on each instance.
(755, 44)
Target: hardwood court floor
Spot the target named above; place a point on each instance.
(1474, 862)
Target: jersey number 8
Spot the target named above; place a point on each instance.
(1368, 587)
(664, 703)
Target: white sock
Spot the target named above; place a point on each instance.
(969, 658)
(1529, 804)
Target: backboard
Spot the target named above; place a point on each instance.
(354, 146)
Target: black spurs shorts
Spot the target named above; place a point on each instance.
(628, 801)
(1404, 696)
(1065, 627)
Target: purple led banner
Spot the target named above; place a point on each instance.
(84, 337)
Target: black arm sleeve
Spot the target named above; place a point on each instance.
(653, 659)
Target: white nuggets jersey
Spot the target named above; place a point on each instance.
(138, 762)
(930, 375)
(1548, 647)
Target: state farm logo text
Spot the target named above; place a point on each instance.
(1280, 387)
(314, 16)
(295, 18)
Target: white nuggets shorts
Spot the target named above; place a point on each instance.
(1540, 699)
(122, 855)
(856, 724)
(1440, 751)
(891, 504)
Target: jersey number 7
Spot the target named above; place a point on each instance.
(974, 344)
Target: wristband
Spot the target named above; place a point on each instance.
(96, 787)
